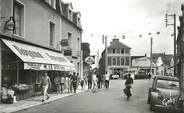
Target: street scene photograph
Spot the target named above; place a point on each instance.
(91, 56)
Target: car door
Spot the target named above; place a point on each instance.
(151, 89)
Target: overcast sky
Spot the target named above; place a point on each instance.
(130, 18)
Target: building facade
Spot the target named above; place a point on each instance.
(71, 31)
(33, 37)
(118, 57)
(164, 62)
(86, 53)
(142, 65)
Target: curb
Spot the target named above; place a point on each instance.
(15, 109)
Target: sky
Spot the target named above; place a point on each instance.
(129, 18)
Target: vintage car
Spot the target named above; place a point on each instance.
(115, 76)
(164, 93)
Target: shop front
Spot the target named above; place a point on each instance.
(23, 65)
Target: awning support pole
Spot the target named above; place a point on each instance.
(17, 73)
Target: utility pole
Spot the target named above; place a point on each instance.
(174, 25)
(181, 56)
(151, 44)
(105, 54)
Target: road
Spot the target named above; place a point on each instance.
(104, 101)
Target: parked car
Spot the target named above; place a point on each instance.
(141, 76)
(164, 93)
(115, 76)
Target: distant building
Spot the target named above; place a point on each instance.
(86, 52)
(118, 58)
(164, 63)
(142, 65)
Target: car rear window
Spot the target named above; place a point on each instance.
(168, 84)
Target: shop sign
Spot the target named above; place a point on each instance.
(90, 60)
(37, 58)
(64, 42)
(35, 66)
(57, 58)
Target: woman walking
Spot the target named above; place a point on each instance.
(94, 79)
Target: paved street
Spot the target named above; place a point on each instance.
(105, 101)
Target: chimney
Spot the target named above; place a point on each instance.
(114, 40)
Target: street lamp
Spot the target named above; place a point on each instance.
(10, 24)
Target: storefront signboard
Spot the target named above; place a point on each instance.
(90, 60)
(38, 58)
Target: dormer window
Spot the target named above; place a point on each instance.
(70, 14)
(53, 3)
(78, 21)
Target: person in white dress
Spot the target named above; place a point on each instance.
(94, 79)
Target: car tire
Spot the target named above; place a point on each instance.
(148, 102)
(149, 93)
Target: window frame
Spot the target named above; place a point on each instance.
(122, 61)
(23, 14)
(114, 63)
(122, 51)
(54, 33)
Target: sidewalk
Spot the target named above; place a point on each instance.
(34, 101)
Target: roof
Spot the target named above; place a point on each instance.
(117, 45)
(167, 78)
(165, 57)
(134, 57)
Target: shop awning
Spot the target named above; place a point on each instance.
(37, 58)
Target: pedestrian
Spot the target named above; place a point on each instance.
(128, 86)
(89, 80)
(82, 83)
(74, 82)
(149, 76)
(70, 82)
(62, 82)
(67, 82)
(45, 84)
(107, 78)
(100, 80)
(94, 78)
(57, 84)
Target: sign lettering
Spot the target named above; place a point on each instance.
(55, 58)
(32, 54)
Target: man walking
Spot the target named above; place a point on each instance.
(89, 80)
(45, 84)
(107, 78)
(74, 82)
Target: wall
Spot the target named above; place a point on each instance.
(36, 22)
(69, 28)
(37, 18)
(142, 62)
